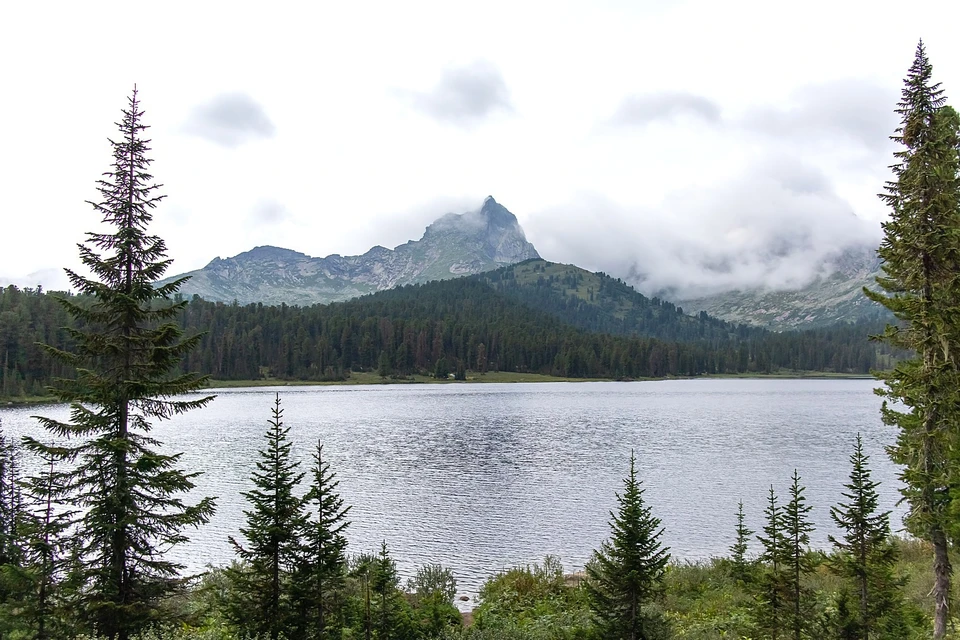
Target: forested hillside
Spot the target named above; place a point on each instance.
(447, 326)
(597, 302)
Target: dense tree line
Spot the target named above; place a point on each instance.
(412, 329)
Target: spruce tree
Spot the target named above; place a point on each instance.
(128, 350)
(773, 587)
(865, 555)
(322, 568)
(626, 573)
(13, 520)
(796, 531)
(921, 280)
(47, 548)
(275, 522)
(383, 585)
(740, 566)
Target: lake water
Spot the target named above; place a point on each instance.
(481, 477)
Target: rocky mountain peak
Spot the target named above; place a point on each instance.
(453, 245)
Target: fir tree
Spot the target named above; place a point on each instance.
(389, 617)
(128, 351)
(323, 565)
(13, 517)
(274, 524)
(625, 574)
(47, 551)
(796, 530)
(921, 278)
(738, 551)
(774, 582)
(865, 555)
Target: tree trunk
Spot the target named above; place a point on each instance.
(941, 584)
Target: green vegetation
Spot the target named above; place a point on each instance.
(125, 354)
(466, 326)
(921, 255)
(625, 574)
(83, 542)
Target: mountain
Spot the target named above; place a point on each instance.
(598, 303)
(452, 246)
(834, 297)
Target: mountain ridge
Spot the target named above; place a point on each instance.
(453, 245)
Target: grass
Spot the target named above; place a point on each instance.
(371, 377)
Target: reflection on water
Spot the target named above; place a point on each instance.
(480, 477)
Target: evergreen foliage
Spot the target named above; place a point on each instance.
(774, 585)
(625, 574)
(47, 553)
(471, 324)
(866, 555)
(322, 569)
(921, 286)
(127, 350)
(14, 589)
(275, 520)
(740, 566)
(796, 530)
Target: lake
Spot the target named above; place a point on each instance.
(480, 477)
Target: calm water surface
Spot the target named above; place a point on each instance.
(485, 476)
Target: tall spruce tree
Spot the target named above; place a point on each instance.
(128, 350)
(865, 555)
(626, 573)
(773, 586)
(796, 530)
(738, 550)
(921, 280)
(275, 521)
(323, 564)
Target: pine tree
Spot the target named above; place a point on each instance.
(865, 555)
(13, 520)
(738, 551)
(774, 583)
(128, 350)
(625, 574)
(323, 564)
(796, 530)
(47, 547)
(274, 525)
(921, 278)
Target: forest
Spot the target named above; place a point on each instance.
(439, 328)
(90, 510)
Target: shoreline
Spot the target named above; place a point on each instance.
(492, 377)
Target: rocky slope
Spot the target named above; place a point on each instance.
(837, 297)
(454, 245)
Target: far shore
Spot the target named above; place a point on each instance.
(501, 377)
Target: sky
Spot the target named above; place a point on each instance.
(691, 145)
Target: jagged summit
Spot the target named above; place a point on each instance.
(456, 244)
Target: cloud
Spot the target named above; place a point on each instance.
(464, 95)
(269, 211)
(641, 110)
(230, 119)
(51, 279)
(777, 227)
(851, 110)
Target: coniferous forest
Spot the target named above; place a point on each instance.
(442, 325)
(84, 541)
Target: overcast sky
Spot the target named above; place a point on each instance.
(700, 144)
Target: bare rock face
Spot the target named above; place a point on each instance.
(454, 245)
